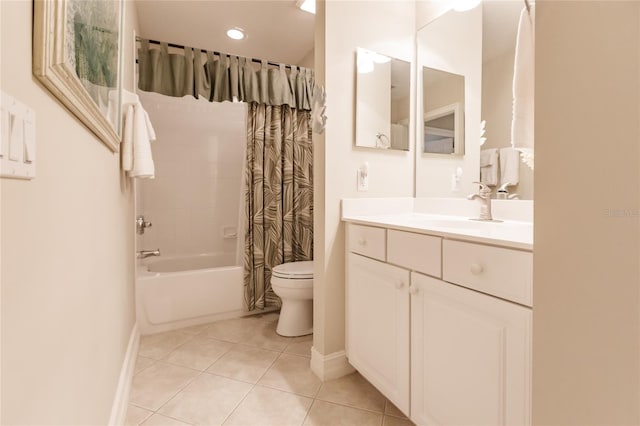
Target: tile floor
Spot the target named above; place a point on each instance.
(240, 372)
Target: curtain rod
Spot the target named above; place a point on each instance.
(177, 46)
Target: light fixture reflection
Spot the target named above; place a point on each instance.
(307, 5)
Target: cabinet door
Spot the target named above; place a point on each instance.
(470, 357)
(377, 320)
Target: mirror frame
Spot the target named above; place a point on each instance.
(51, 68)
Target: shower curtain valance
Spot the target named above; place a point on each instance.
(222, 77)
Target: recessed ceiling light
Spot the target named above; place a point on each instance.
(307, 5)
(235, 33)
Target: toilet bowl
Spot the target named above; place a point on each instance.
(293, 283)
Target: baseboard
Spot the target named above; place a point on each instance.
(329, 367)
(121, 400)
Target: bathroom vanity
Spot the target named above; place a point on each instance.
(439, 308)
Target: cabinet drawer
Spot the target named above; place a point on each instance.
(367, 241)
(498, 271)
(417, 252)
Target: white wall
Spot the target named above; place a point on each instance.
(453, 43)
(67, 255)
(341, 28)
(586, 300)
(199, 161)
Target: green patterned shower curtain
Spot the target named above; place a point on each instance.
(278, 196)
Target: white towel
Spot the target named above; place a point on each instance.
(128, 98)
(136, 146)
(522, 134)
(509, 166)
(489, 166)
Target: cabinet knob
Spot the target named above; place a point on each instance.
(413, 289)
(399, 284)
(362, 241)
(476, 268)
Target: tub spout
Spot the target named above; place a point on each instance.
(143, 254)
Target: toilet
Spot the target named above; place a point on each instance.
(293, 283)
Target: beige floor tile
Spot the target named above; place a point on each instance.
(327, 414)
(353, 390)
(208, 400)
(392, 410)
(198, 353)
(265, 406)
(136, 415)
(195, 329)
(234, 330)
(142, 363)
(157, 346)
(157, 384)
(269, 317)
(291, 373)
(160, 420)
(300, 346)
(263, 335)
(244, 363)
(396, 421)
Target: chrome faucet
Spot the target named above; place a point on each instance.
(141, 224)
(484, 196)
(143, 254)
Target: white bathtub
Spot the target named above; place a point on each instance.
(178, 292)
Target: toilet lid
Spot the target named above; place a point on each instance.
(294, 270)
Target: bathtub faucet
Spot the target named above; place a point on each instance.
(143, 254)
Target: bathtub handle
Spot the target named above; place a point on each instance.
(142, 224)
(143, 254)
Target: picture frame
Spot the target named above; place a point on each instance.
(77, 55)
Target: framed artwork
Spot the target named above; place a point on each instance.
(77, 55)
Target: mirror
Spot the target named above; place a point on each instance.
(479, 46)
(382, 101)
(443, 100)
(449, 84)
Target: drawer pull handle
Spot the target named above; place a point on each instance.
(362, 241)
(413, 289)
(476, 269)
(399, 284)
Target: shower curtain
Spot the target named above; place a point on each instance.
(278, 196)
(279, 166)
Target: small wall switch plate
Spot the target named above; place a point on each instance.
(17, 139)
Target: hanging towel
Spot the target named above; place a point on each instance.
(489, 166)
(509, 166)
(522, 136)
(136, 146)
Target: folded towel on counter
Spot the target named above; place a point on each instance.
(522, 135)
(489, 166)
(509, 166)
(136, 145)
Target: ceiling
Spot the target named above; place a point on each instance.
(276, 30)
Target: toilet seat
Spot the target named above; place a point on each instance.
(294, 270)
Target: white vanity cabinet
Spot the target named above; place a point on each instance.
(378, 326)
(430, 324)
(470, 356)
